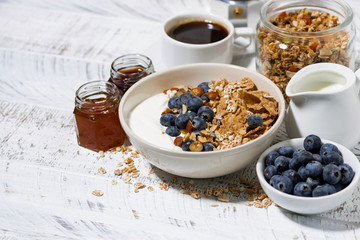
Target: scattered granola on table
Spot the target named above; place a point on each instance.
(281, 55)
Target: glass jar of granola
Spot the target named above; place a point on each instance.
(292, 34)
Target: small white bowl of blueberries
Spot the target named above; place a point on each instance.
(308, 175)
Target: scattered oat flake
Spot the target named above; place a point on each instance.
(101, 154)
(164, 186)
(214, 205)
(182, 191)
(223, 198)
(195, 194)
(174, 180)
(97, 193)
(114, 182)
(117, 172)
(151, 171)
(101, 170)
(120, 164)
(150, 188)
(139, 185)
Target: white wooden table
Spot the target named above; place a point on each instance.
(47, 50)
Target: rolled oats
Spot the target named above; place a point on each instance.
(98, 193)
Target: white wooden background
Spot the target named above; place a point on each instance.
(47, 49)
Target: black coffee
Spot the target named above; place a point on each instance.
(198, 32)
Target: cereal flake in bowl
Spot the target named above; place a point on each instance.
(142, 106)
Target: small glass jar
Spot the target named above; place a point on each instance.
(128, 69)
(286, 42)
(97, 120)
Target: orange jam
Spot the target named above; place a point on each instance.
(96, 115)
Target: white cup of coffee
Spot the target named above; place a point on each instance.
(201, 37)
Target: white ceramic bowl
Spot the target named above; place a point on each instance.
(308, 205)
(198, 164)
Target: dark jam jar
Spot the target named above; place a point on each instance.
(128, 69)
(98, 126)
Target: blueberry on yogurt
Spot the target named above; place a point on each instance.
(167, 119)
(181, 121)
(174, 102)
(204, 86)
(194, 103)
(206, 113)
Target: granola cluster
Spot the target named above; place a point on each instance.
(281, 56)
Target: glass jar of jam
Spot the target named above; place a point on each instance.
(98, 126)
(128, 69)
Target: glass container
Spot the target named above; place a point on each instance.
(292, 34)
(128, 69)
(96, 114)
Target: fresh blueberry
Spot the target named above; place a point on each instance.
(281, 163)
(174, 102)
(185, 97)
(293, 175)
(331, 188)
(194, 103)
(302, 189)
(339, 187)
(254, 121)
(204, 86)
(300, 158)
(303, 173)
(322, 190)
(198, 123)
(206, 113)
(286, 151)
(314, 168)
(191, 114)
(312, 182)
(312, 143)
(205, 97)
(181, 121)
(270, 171)
(281, 183)
(270, 158)
(167, 119)
(186, 145)
(208, 147)
(332, 157)
(331, 174)
(327, 148)
(347, 174)
(172, 131)
(317, 157)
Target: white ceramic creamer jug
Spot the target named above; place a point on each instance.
(324, 101)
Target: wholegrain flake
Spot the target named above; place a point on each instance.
(195, 194)
(101, 170)
(223, 198)
(98, 193)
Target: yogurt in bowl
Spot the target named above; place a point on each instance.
(183, 163)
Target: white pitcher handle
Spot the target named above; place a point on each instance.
(357, 82)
